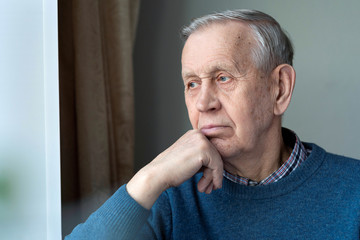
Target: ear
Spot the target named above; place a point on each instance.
(284, 77)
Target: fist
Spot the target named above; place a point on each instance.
(192, 153)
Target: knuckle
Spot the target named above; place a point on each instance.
(203, 146)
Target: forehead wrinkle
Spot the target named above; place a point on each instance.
(212, 68)
(231, 56)
(233, 67)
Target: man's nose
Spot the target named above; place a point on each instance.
(207, 100)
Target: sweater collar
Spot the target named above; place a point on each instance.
(283, 186)
(297, 156)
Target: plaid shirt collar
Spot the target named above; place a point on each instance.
(297, 156)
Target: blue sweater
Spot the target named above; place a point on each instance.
(319, 200)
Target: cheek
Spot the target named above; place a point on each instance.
(254, 106)
(262, 104)
(192, 113)
(193, 116)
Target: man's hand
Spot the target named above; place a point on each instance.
(190, 154)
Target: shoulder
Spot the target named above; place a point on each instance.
(344, 167)
(336, 165)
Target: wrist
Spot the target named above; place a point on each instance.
(145, 187)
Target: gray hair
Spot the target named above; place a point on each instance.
(274, 46)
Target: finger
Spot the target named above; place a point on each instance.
(203, 183)
(205, 180)
(214, 176)
(217, 169)
(209, 188)
(217, 178)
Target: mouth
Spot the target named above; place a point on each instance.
(213, 130)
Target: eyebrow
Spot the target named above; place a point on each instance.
(215, 68)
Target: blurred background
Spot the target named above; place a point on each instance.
(121, 95)
(30, 206)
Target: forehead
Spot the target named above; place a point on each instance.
(218, 45)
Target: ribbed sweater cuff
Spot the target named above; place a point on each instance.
(123, 215)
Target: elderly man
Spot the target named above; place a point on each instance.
(238, 174)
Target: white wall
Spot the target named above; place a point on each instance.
(324, 108)
(29, 142)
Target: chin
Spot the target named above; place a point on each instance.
(225, 149)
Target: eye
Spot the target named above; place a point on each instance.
(224, 78)
(192, 85)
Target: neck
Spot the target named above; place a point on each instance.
(267, 156)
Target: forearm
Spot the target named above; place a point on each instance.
(127, 210)
(187, 156)
(120, 217)
(146, 186)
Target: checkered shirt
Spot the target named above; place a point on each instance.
(297, 156)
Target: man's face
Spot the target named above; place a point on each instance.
(227, 98)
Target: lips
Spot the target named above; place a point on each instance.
(213, 130)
